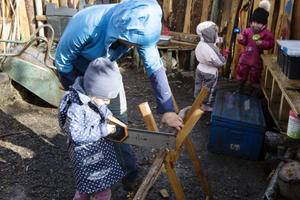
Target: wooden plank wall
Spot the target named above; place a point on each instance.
(179, 16)
(283, 24)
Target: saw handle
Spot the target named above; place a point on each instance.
(121, 130)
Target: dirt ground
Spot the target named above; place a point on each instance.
(34, 163)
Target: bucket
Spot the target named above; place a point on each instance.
(293, 129)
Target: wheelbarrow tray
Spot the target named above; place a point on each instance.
(39, 79)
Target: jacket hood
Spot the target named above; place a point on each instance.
(78, 86)
(135, 21)
(207, 31)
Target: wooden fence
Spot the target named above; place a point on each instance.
(18, 19)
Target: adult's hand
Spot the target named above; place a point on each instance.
(172, 120)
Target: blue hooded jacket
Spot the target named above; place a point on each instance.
(91, 32)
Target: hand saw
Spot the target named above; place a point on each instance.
(140, 137)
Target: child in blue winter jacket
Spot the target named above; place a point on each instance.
(83, 114)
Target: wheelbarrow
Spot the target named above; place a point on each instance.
(32, 69)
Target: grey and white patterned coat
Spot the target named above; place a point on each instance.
(93, 158)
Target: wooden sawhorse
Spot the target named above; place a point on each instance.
(166, 159)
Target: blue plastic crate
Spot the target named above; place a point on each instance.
(237, 126)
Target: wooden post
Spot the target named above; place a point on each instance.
(283, 27)
(167, 10)
(187, 18)
(39, 11)
(173, 179)
(239, 48)
(296, 21)
(24, 23)
(30, 13)
(148, 117)
(63, 3)
(206, 8)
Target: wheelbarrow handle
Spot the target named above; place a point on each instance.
(30, 41)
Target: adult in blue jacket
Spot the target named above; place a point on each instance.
(109, 30)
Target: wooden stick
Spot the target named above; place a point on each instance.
(12, 133)
(198, 168)
(24, 23)
(188, 126)
(173, 179)
(30, 13)
(151, 176)
(148, 117)
(187, 18)
(39, 11)
(201, 96)
(63, 3)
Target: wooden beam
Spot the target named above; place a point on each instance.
(206, 9)
(295, 35)
(167, 10)
(39, 11)
(198, 168)
(24, 23)
(148, 117)
(198, 101)
(30, 14)
(187, 18)
(239, 48)
(41, 18)
(185, 37)
(56, 2)
(173, 179)
(188, 126)
(63, 3)
(283, 26)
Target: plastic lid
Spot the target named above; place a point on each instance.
(288, 42)
(291, 51)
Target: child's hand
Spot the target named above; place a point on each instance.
(240, 37)
(258, 42)
(111, 128)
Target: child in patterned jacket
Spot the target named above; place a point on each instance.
(83, 116)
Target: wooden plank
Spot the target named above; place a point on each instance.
(196, 104)
(238, 47)
(151, 176)
(63, 3)
(167, 10)
(41, 18)
(295, 33)
(275, 99)
(283, 27)
(188, 126)
(24, 23)
(284, 110)
(30, 14)
(198, 168)
(39, 11)
(233, 11)
(173, 179)
(206, 9)
(148, 117)
(292, 97)
(56, 2)
(271, 15)
(187, 18)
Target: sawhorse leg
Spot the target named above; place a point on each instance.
(171, 158)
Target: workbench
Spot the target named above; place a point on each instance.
(276, 88)
(168, 51)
